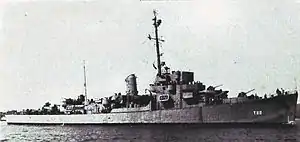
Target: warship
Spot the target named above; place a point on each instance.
(173, 98)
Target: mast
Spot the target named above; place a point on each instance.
(296, 84)
(85, 89)
(156, 24)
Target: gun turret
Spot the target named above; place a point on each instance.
(244, 94)
(212, 88)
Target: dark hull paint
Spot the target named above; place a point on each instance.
(201, 125)
(274, 110)
(277, 110)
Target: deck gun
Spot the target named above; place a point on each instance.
(212, 88)
(218, 86)
(244, 94)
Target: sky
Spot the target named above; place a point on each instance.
(240, 44)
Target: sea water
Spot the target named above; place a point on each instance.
(151, 133)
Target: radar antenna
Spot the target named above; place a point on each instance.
(156, 24)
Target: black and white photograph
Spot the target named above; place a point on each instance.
(149, 70)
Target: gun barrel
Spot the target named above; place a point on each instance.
(250, 91)
(218, 86)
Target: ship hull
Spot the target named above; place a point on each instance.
(277, 110)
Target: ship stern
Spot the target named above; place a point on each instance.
(292, 105)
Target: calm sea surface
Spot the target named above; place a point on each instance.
(152, 133)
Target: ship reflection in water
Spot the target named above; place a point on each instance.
(147, 133)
